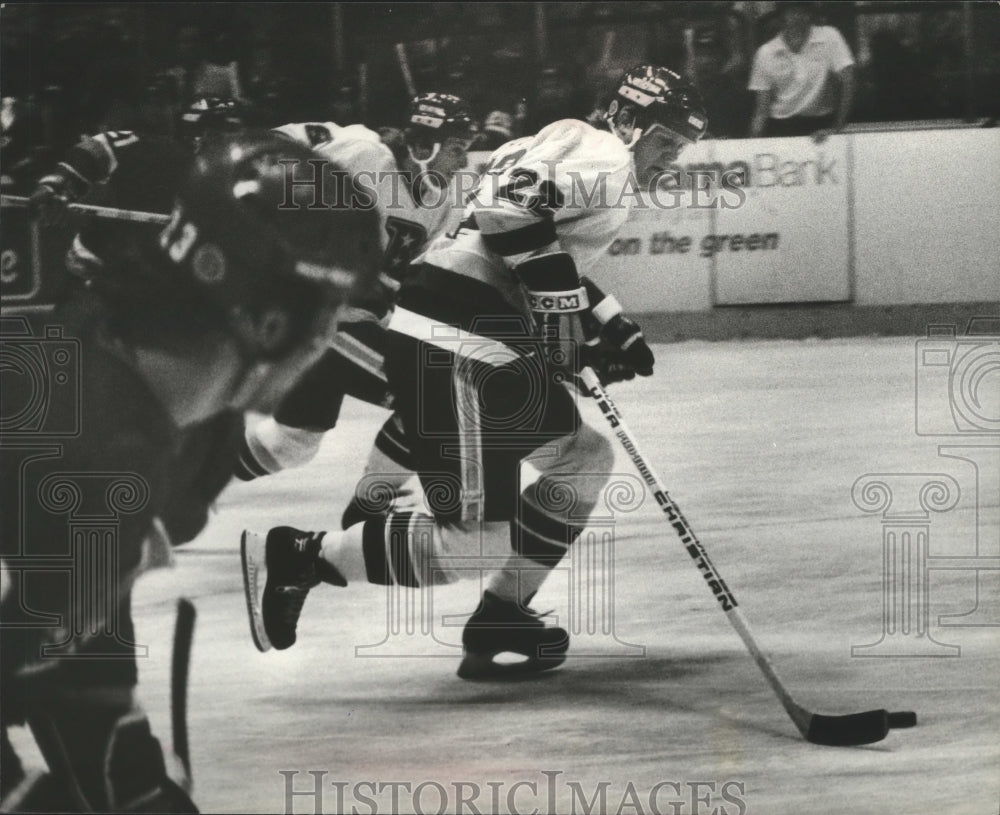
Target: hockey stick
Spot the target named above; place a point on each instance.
(93, 210)
(849, 730)
(404, 69)
(180, 663)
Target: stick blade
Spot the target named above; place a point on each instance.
(850, 730)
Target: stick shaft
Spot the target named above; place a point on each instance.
(180, 666)
(693, 546)
(100, 212)
(404, 68)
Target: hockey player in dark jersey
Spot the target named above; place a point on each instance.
(222, 311)
(127, 170)
(407, 171)
(138, 171)
(486, 333)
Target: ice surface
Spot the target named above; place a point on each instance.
(761, 443)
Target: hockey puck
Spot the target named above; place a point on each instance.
(903, 718)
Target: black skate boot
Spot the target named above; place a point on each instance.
(288, 565)
(502, 626)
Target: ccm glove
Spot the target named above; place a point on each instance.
(618, 333)
(557, 301)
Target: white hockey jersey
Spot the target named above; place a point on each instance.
(311, 134)
(569, 188)
(406, 225)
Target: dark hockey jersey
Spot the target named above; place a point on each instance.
(84, 467)
(91, 465)
(127, 170)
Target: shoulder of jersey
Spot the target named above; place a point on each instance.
(359, 132)
(771, 45)
(355, 151)
(828, 33)
(576, 141)
(309, 133)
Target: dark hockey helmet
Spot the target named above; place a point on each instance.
(276, 257)
(661, 96)
(209, 114)
(434, 117)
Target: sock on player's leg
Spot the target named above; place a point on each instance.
(343, 551)
(398, 548)
(539, 541)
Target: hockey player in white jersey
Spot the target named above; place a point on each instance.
(484, 338)
(408, 175)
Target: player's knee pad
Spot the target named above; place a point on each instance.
(552, 512)
(571, 484)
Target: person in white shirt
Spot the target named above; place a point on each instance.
(796, 76)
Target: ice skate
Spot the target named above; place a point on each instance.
(500, 627)
(278, 572)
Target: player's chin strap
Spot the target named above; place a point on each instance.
(423, 165)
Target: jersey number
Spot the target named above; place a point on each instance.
(524, 189)
(178, 237)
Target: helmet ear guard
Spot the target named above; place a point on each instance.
(622, 120)
(658, 95)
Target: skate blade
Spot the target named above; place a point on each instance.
(253, 552)
(479, 667)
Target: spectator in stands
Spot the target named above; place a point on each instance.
(218, 74)
(556, 96)
(157, 110)
(498, 129)
(795, 77)
(344, 109)
(898, 80)
(709, 57)
(187, 55)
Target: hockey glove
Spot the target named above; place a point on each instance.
(51, 199)
(557, 302)
(610, 364)
(624, 344)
